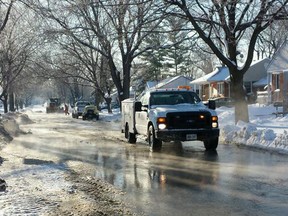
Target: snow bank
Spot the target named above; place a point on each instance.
(265, 130)
(9, 126)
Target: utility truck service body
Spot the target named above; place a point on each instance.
(166, 115)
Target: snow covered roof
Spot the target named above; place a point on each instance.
(219, 74)
(257, 70)
(222, 75)
(279, 61)
(151, 84)
(173, 82)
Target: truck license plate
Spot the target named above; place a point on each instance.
(191, 136)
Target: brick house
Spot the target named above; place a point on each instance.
(278, 76)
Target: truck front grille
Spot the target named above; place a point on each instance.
(189, 120)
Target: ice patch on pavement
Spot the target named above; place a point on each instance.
(24, 193)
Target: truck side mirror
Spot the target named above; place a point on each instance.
(138, 106)
(145, 108)
(212, 104)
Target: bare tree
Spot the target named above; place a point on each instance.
(271, 39)
(92, 68)
(16, 48)
(5, 7)
(225, 24)
(118, 28)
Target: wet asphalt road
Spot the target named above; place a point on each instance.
(181, 179)
(190, 181)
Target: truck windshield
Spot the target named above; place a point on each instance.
(173, 98)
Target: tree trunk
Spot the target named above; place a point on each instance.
(11, 102)
(5, 103)
(239, 94)
(126, 78)
(108, 102)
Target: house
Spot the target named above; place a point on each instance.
(255, 78)
(278, 76)
(214, 84)
(217, 83)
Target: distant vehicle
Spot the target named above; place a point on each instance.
(224, 101)
(53, 105)
(79, 108)
(90, 112)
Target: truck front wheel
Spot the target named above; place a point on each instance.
(154, 143)
(211, 144)
(131, 137)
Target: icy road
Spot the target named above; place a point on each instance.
(66, 166)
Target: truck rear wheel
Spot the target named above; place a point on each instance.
(211, 144)
(131, 137)
(154, 143)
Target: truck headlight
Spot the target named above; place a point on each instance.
(214, 122)
(162, 126)
(161, 121)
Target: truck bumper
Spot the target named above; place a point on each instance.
(187, 134)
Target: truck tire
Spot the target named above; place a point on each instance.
(154, 143)
(211, 144)
(131, 137)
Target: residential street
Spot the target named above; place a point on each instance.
(64, 166)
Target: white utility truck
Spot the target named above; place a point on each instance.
(165, 115)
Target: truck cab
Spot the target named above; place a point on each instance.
(165, 115)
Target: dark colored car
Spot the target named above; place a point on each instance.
(223, 101)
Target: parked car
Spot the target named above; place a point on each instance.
(223, 101)
(90, 112)
(79, 108)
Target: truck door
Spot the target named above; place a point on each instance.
(141, 117)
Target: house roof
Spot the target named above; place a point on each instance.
(257, 70)
(279, 62)
(173, 82)
(151, 84)
(222, 75)
(219, 74)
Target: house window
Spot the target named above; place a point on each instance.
(277, 81)
(220, 88)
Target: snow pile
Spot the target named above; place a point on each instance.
(115, 116)
(265, 130)
(9, 126)
(24, 119)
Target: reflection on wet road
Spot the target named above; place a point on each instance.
(181, 180)
(190, 181)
